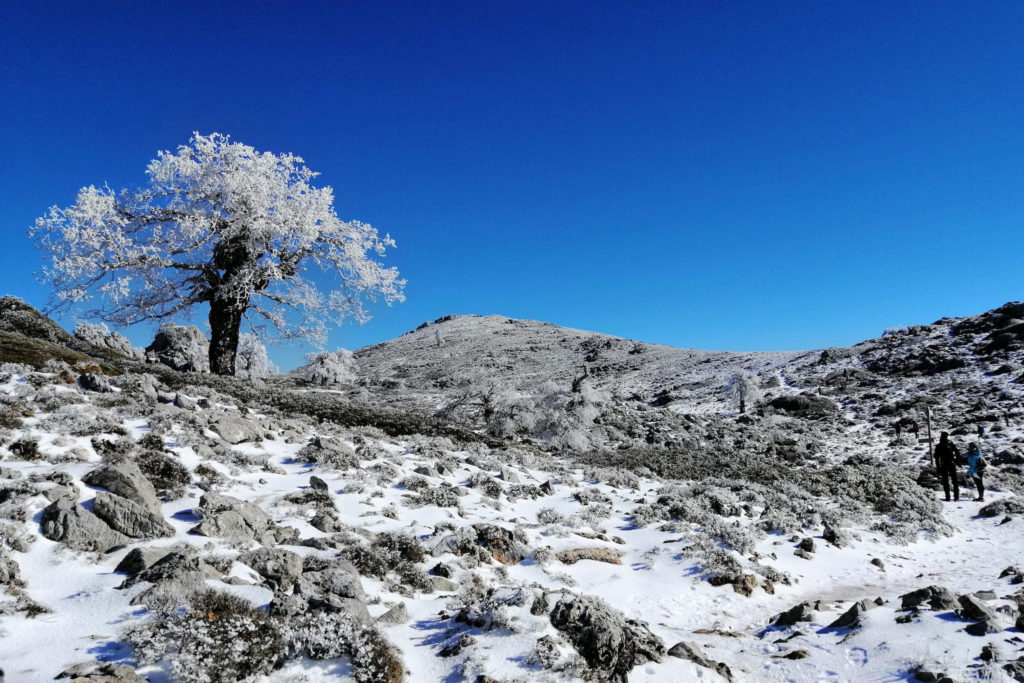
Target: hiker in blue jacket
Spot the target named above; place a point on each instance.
(976, 465)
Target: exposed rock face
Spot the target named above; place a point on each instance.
(130, 518)
(185, 349)
(231, 518)
(504, 544)
(175, 577)
(102, 338)
(66, 521)
(398, 614)
(126, 480)
(611, 644)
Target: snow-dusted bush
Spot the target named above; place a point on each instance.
(441, 496)
(251, 360)
(328, 635)
(548, 515)
(220, 638)
(326, 368)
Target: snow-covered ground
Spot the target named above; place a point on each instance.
(656, 580)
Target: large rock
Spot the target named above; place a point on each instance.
(185, 349)
(611, 644)
(574, 555)
(231, 518)
(126, 480)
(938, 598)
(975, 609)
(279, 567)
(1005, 506)
(101, 672)
(335, 588)
(505, 545)
(66, 521)
(130, 518)
(234, 429)
(102, 338)
(139, 559)
(175, 577)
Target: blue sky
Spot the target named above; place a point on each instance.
(748, 176)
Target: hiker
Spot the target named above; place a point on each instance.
(899, 429)
(917, 428)
(947, 456)
(981, 431)
(976, 465)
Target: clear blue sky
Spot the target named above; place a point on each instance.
(719, 175)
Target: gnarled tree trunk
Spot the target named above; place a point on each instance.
(225, 321)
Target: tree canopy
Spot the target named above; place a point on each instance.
(219, 224)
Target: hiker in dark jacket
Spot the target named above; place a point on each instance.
(976, 465)
(947, 456)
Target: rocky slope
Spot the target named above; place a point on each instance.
(177, 526)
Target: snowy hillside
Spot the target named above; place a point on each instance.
(441, 518)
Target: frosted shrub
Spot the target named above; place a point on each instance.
(328, 635)
(441, 496)
(548, 515)
(220, 638)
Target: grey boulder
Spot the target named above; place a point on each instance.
(126, 480)
(130, 518)
(66, 521)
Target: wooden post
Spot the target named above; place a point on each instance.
(928, 422)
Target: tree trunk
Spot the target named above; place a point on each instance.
(225, 321)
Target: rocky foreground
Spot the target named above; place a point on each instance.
(168, 525)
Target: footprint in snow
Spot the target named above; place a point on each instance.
(857, 656)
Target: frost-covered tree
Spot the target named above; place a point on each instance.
(742, 386)
(222, 225)
(252, 361)
(325, 368)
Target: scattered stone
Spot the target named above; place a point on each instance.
(90, 381)
(609, 555)
(803, 554)
(802, 612)
(974, 609)
(851, 617)
(989, 653)
(745, 585)
(505, 545)
(693, 653)
(443, 585)
(318, 484)
(836, 537)
(939, 599)
(443, 570)
(235, 430)
(140, 559)
(795, 654)
(398, 614)
(985, 595)
(100, 672)
(878, 563)
(806, 544)
(184, 402)
(457, 646)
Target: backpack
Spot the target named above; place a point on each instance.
(982, 464)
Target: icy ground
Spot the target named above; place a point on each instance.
(656, 580)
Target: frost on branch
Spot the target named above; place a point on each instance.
(223, 225)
